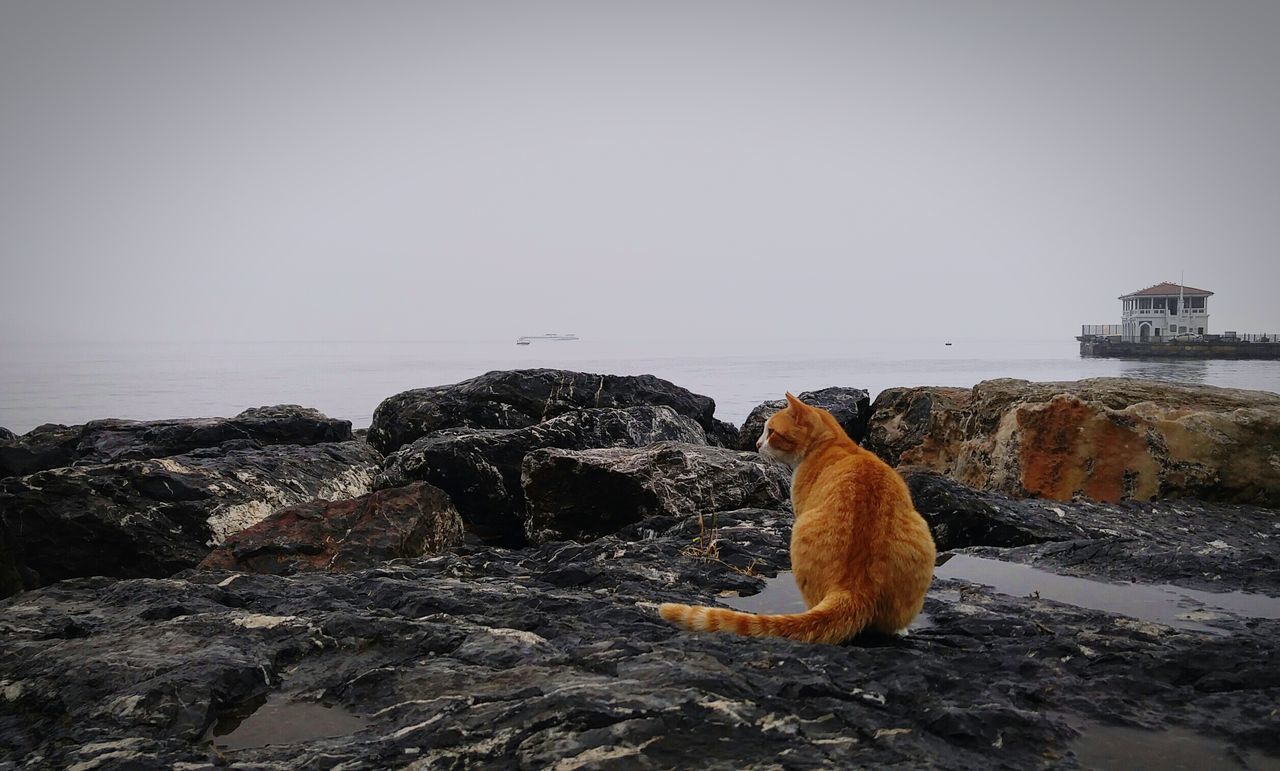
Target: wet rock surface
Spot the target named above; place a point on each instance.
(344, 535)
(110, 441)
(480, 469)
(851, 407)
(157, 516)
(1107, 439)
(554, 654)
(589, 493)
(1211, 546)
(522, 398)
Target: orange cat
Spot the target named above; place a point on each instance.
(861, 555)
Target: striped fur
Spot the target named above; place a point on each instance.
(860, 553)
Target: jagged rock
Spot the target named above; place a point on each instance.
(6, 434)
(723, 434)
(850, 406)
(589, 493)
(554, 656)
(904, 419)
(960, 516)
(522, 398)
(48, 446)
(480, 469)
(109, 441)
(344, 535)
(154, 517)
(1109, 439)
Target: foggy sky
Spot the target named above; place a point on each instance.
(412, 170)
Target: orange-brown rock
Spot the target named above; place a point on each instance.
(1109, 439)
(344, 535)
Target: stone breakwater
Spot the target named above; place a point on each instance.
(484, 593)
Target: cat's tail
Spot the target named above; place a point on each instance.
(835, 619)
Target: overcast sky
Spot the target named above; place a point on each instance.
(412, 170)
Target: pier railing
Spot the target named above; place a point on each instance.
(1251, 338)
(1117, 330)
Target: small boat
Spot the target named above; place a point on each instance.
(549, 336)
(947, 343)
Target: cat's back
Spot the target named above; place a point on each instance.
(846, 474)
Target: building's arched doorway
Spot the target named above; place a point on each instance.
(1144, 333)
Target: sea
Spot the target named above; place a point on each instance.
(76, 382)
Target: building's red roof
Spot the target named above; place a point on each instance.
(1165, 289)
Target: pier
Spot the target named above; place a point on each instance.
(1171, 321)
(1209, 347)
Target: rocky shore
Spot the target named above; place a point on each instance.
(475, 584)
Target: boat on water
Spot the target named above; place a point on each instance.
(527, 339)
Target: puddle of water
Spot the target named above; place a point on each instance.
(1177, 749)
(1162, 604)
(779, 595)
(276, 720)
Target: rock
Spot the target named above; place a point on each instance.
(109, 441)
(904, 419)
(960, 516)
(154, 517)
(6, 434)
(522, 398)
(1109, 439)
(480, 469)
(554, 656)
(344, 535)
(47, 446)
(723, 434)
(850, 406)
(590, 493)
(1190, 543)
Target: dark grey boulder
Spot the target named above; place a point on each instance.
(522, 398)
(480, 469)
(851, 407)
(1190, 543)
(47, 446)
(554, 656)
(6, 434)
(961, 516)
(154, 517)
(590, 493)
(109, 441)
(723, 434)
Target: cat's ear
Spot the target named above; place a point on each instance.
(795, 403)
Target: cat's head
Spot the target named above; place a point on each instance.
(788, 435)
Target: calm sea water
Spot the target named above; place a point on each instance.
(72, 383)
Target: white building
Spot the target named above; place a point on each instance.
(1163, 312)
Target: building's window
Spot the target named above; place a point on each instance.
(1201, 332)
(1157, 331)
(1195, 302)
(1144, 303)
(1157, 303)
